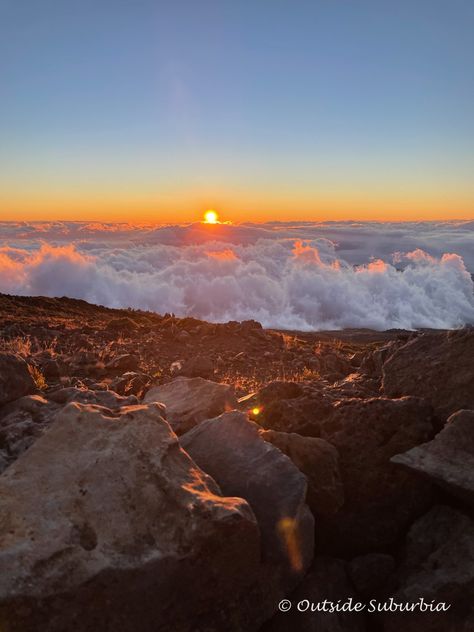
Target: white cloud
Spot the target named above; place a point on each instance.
(298, 276)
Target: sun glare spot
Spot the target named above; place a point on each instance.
(211, 217)
(255, 411)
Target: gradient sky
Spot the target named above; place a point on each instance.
(263, 109)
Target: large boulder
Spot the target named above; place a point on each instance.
(436, 366)
(448, 459)
(438, 566)
(231, 450)
(319, 461)
(189, 401)
(108, 525)
(381, 500)
(15, 378)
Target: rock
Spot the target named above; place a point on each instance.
(448, 459)
(438, 565)
(124, 362)
(198, 366)
(230, 449)
(4, 461)
(109, 399)
(131, 383)
(381, 500)
(370, 573)
(279, 390)
(327, 581)
(303, 414)
(51, 369)
(22, 422)
(108, 525)
(318, 460)
(123, 325)
(189, 401)
(15, 378)
(438, 367)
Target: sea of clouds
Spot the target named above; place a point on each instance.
(301, 275)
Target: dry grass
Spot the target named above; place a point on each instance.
(27, 346)
(38, 377)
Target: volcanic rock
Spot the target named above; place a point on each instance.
(448, 459)
(438, 367)
(15, 378)
(124, 362)
(318, 460)
(108, 525)
(438, 565)
(370, 573)
(109, 399)
(189, 401)
(22, 422)
(327, 580)
(198, 366)
(230, 449)
(381, 500)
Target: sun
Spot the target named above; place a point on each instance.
(211, 217)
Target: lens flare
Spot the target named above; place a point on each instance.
(255, 411)
(211, 217)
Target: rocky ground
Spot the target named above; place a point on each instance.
(171, 474)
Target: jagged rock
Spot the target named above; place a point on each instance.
(4, 461)
(370, 573)
(198, 366)
(124, 362)
(189, 401)
(230, 449)
(109, 399)
(122, 325)
(131, 383)
(438, 565)
(15, 378)
(438, 367)
(327, 580)
(22, 422)
(448, 459)
(318, 460)
(108, 525)
(302, 415)
(381, 500)
(278, 390)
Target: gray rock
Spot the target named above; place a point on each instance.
(109, 399)
(189, 401)
(15, 378)
(319, 461)
(448, 459)
(108, 525)
(381, 500)
(230, 449)
(438, 565)
(438, 367)
(22, 422)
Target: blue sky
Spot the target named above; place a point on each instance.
(296, 108)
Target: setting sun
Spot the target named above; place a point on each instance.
(211, 217)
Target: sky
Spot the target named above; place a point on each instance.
(141, 110)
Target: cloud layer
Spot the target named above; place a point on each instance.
(293, 276)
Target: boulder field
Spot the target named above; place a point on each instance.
(162, 474)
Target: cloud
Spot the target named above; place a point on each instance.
(286, 276)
